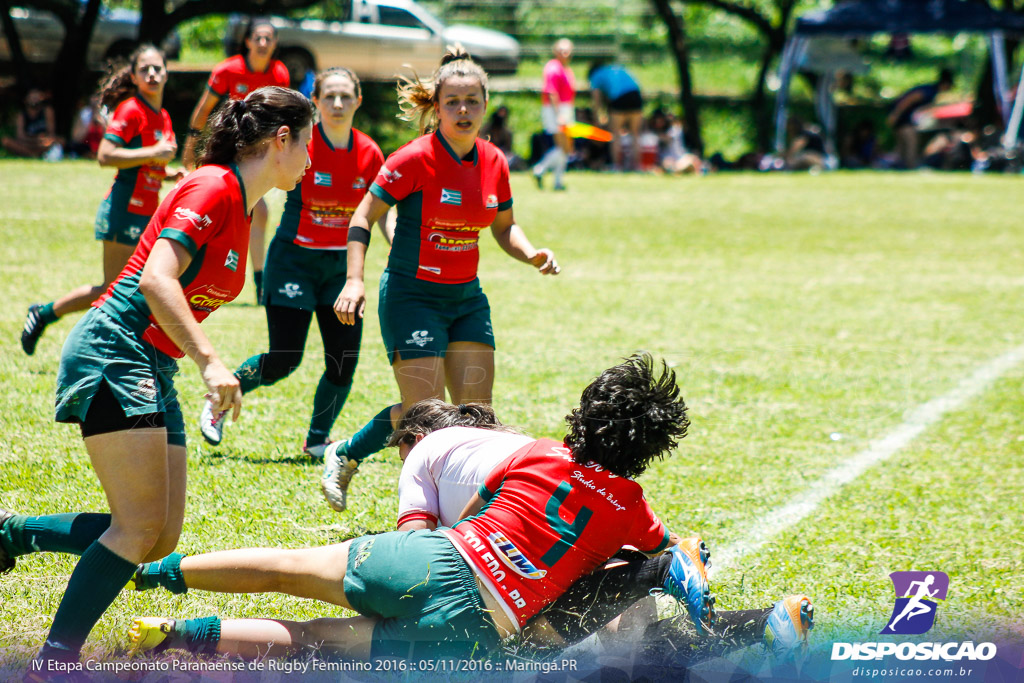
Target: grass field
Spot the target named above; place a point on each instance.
(807, 317)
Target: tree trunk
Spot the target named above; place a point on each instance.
(70, 67)
(153, 23)
(681, 51)
(759, 101)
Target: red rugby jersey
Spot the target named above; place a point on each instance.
(135, 124)
(547, 522)
(443, 204)
(205, 213)
(234, 79)
(317, 211)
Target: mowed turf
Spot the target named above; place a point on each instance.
(806, 316)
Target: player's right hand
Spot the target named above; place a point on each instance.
(224, 390)
(351, 303)
(164, 151)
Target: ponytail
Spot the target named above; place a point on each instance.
(240, 127)
(416, 99)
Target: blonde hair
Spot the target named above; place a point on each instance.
(416, 99)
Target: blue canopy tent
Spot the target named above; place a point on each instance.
(859, 18)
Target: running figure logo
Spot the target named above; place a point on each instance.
(916, 593)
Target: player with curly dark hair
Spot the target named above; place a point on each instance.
(553, 514)
(628, 417)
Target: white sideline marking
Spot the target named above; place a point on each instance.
(917, 421)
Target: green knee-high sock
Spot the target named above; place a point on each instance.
(98, 578)
(72, 532)
(165, 573)
(250, 373)
(328, 401)
(195, 635)
(47, 314)
(371, 438)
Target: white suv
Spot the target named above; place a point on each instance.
(379, 39)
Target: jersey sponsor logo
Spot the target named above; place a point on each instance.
(511, 556)
(198, 222)
(389, 175)
(146, 389)
(359, 183)
(291, 290)
(492, 202)
(231, 262)
(241, 88)
(431, 269)
(203, 302)
(445, 243)
(453, 197)
(420, 338)
(322, 179)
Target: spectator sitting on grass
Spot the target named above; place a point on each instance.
(36, 129)
(88, 130)
(673, 155)
(860, 146)
(806, 150)
(901, 118)
(496, 130)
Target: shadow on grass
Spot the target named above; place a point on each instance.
(242, 457)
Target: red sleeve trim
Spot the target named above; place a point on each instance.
(415, 516)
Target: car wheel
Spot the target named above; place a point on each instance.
(298, 62)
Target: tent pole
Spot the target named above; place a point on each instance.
(1012, 133)
(997, 46)
(781, 100)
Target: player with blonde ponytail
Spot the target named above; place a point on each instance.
(448, 186)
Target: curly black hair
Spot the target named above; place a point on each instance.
(628, 417)
(431, 414)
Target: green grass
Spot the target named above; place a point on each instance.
(793, 308)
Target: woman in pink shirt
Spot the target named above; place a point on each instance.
(557, 111)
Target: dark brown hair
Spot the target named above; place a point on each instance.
(118, 86)
(336, 71)
(627, 417)
(431, 414)
(240, 127)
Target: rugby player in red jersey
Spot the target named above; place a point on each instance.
(435, 319)
(306, 263)
(117, 366)
(139, 142)
(555, 512)
(234, 78)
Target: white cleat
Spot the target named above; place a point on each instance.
(338, 471)
(211, 424)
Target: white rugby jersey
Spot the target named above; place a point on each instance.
(446, 468)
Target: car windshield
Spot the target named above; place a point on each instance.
(396, 16)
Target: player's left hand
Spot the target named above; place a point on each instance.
(544, 261)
